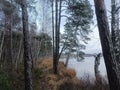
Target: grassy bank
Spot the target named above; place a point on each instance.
(44, 79)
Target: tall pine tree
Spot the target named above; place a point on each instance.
(27, 57)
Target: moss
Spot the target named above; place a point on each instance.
(4, 82)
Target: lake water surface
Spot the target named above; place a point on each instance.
(86, 67)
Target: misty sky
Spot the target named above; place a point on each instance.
(94, 45)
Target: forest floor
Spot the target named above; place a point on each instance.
(45, 79)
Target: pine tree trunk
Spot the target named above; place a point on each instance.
(27, 57)
(11, 20)
(115, 29)
(53, 28)
(56, 54)
(107, 46)
(2, 42)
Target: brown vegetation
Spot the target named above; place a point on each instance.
(52, 81)
(45, 79)
(65, 79)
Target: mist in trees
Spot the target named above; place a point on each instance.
(77, 27)
(35, 35)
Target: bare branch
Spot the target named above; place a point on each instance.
(118, 8)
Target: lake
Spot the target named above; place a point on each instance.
(86, 67)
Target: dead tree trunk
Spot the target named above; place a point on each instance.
(27, 57)
(96, 67)
(67, 59)
(107, 46)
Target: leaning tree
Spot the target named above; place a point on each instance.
(107, 46)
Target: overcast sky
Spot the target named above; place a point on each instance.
(94, 45)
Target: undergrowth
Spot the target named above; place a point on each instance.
(4, 82)
(44, 79)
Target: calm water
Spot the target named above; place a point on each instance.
(86, 67)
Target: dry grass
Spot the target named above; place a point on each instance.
(66, 78)
(44, 79)
(52, 81)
